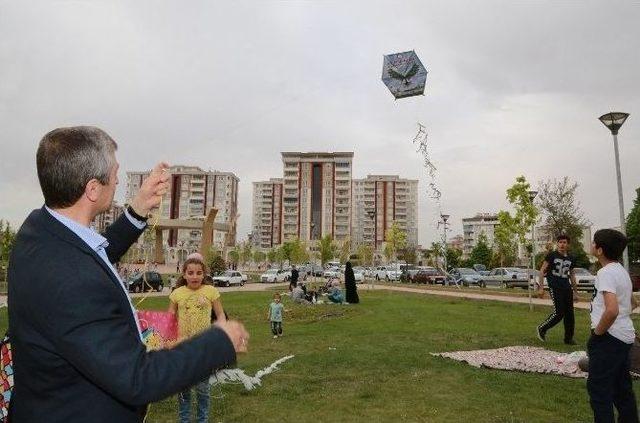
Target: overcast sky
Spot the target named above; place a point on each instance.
(513, 88)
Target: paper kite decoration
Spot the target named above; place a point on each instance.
(159, 329)
(404, 74)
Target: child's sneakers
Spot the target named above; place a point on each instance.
(275, 336)
(540, 334)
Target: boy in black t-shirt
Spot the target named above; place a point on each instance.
(558, 268)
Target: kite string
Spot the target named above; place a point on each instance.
(145, 282)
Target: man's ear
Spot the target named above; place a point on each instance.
(92, 190)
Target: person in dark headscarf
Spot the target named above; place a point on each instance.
(350, 285)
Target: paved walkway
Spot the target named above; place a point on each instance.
(257, 287)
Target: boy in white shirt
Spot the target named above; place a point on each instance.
(612, 333)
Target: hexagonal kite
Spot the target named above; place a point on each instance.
(404, 74)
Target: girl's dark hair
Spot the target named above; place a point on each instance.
(181, 280)
(612, 243)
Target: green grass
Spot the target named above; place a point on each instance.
(371, 363)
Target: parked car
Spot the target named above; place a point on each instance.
(151, 281)
(388, 273)
(430, 275)
(481, 269)
(358, 274)
(584, 279)
(317, 270)
(273, 276)
(467, 277)
(245, 278)
(507, 277)
(332, 272)
(228, 278)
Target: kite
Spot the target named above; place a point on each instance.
(404, 74)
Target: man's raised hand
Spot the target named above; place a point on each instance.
(151, 190)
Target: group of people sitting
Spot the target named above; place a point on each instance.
(301, 295)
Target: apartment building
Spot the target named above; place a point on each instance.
(380, 200)
(192, 193)
(545, 238)
(107, 217)
(266, 227)
(473, 227)
(316, 195)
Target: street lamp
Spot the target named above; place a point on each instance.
(532, 196)
(614, 121)
(445, 227)
(371, 214)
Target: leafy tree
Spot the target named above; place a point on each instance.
(7, 239)
(234, 256)
(246, 254)
(273, 255)
(454, 257)
(633, 229)
(215, 262)
(560, 209)
(259, 256)
(365, 253)
(409, 254)
(504, 241)
(345, 250)
(327, 249)
(526, 214)
(396, 239)
(481, 253)
(295, 251)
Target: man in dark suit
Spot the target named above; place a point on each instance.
(77, 349)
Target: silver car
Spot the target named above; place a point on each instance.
(507, 277)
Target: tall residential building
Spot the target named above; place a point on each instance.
(545, 238)
(192, 193)
(107, 217)
(456, 243)
(380, 200)
(474, 226)
(317, 195)
(267, 214)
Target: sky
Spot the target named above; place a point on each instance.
(514, 88)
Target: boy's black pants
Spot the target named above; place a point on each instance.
(562, 309)
(609, 382)
(276, 328)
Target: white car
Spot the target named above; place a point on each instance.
(332, 272)
(273, 276)
(388, 273)
(228, 278)
(358, 273)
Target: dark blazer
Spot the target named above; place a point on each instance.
(76, 349)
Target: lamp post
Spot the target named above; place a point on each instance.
(371, 214)
(613, 121)
(445, 227)
(532, 196)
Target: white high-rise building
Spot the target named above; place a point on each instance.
(317, 195)
(267, 214)
(192, 193)
(380, 200)
(473, 227)
(107, 217)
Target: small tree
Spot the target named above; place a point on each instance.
(246, 254)
(273, 255)
(7, 239)
(395, 239)
(259, 256)
(234, 256)
(327, 249)
(504, 242)
(481, 253)
(633, 229)
(454, 257)
(409, 254)
(345, 250)
(215, 262)
(365, 253)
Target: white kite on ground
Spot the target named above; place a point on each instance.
(239, 376)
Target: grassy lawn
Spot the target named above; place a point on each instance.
(371, 363)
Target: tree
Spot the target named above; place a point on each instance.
(560, 209)
(246, 254)
(395, 239)
(409, 254)
(259, 256)
(295, 251)
(215, 262)
(234, 255)
(365, 253)
(345, 250)
(481, 253)
(454, 257)
(327, 249)
(526, 213)
(273, 255)
(504, 242)
(7, 239)
(633, 229)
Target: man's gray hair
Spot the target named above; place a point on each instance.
(68, 158)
